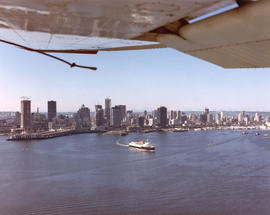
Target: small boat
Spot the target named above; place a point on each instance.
(142, 145)
(244, 132)
(257, 134)
(123, 133)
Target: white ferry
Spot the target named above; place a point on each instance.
(142, 145)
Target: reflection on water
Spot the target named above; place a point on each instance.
(205, 172)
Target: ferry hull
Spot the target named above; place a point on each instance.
(143, 147)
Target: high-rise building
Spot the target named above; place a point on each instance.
(108, 109)
(257, 117)
(162, 117)
(222, 115)
(83, 119)
(206, 111)
(218, 118)
(51, 110)
(26, 114)
(17, 120)
(209, 118)
(116, 116)
(123, 112)
(179, 115)
(241, 116)
(203, 118)
(99, 115)
(141, 121)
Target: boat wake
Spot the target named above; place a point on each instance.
(120, 144)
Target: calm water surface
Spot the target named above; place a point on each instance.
(203, 172)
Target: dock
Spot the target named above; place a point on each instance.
(46, 134)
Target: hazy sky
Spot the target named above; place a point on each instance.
(139, 79)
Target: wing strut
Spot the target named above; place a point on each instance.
(48, 55)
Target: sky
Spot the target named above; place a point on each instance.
(143, 80)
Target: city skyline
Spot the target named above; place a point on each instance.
(140, 79)
(112, 105)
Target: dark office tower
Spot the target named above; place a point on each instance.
(17, 120)
(123, 111)
(179, 115)
(26, 114)
(162, 116)
(51, 110)
(108, 109)
(206, 111)
(99, 115)
(203, 118)
(116, 116)
(141, 121)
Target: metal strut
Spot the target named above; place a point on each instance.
(48, 55)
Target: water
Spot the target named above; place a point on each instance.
(203, 172)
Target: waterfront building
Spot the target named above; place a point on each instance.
(82, 117)
(107, 112)
(257, 117)
(173, 114)
(241, 116)
(141, 121)
(116, 117)
(51, 110)
(129, 117)
(162, 116)
(222, 116)
(218, 118)
(192, 118)
(246, 120)
(150, 122)
(99, 115)
(26, 114)
(209, 118)
(123, 113)
(178, 115)
(39, 121)
(63, 121)
(203, 118)
(17, 120)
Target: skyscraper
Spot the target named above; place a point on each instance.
(241, 116)
(116, 116)
(99, 115)
(123, 112)
(17, 120)
(26, 114)
(51, 110)
(83, 119)
(162, 116)
(141, 121)
(108, 109)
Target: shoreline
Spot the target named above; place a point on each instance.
(62, 133)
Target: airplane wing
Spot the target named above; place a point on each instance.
(238, 38)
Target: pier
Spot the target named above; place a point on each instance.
(47, 134)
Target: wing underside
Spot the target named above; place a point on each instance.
(238, 38)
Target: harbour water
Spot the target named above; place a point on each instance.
(198, 172)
